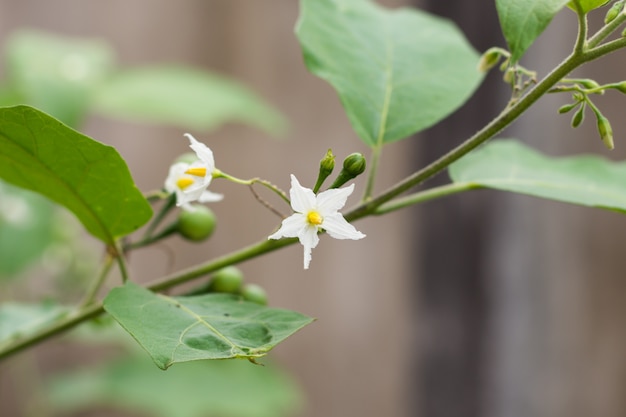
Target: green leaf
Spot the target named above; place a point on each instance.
(21, 320)
(205, 388)
(212, 326)
(522, 21)
(184, 97)
(507, 165)
(56, 74)
(396, 71)
(39, 153)
(587, 5)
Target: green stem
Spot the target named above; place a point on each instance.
(606, 30)
(121, 261)
(63, 325)
(167, 206)
(373, 169)
(583, 28)
(265, 183)
(90, 296)
(424, 196)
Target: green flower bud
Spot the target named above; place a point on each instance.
(509, 76)
(197, 224)
(621, 87)
(606, 132)
(254, 293)
(578, 117)
(353, 166)
(615, 10)
(227, 279)
(489, 59)
(327, 164)
(567, 107)
(589, 83)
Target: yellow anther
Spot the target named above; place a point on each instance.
(314, 218)
(197, 172)
(183, 183)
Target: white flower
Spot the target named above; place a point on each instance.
(190, 180)
(313, 213)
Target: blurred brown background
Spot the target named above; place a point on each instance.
(483, 304)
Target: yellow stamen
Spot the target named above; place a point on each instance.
(197, 172)
(314, 218)
(183, 183)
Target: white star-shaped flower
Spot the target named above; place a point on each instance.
(190, 180)
(313, 213)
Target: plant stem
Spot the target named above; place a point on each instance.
(90, 296)
(373, 169)
(265, 183)
(66, 323)
(606, 30)
(424, 196)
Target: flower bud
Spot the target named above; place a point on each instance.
(621, 87)
(578, 117)
(615, 10)
(489, 59)
(606, 132)
(327, 164)
(567, 107)
(589, 83)
(353, 166)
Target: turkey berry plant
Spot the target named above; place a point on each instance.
(396, 72)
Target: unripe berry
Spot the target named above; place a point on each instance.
(197, 224)
(254, 293)
(227, 279)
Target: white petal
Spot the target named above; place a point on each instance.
(330, 201)
(302, 199)
(290, 227)
(209, 197)
(309, 239)
(177, 170)
(339, 228)
(203, 152)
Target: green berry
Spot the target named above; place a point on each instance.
(197, 224)
(254, 293)
(228, 279)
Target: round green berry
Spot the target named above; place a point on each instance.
(228, 279)
(254, 293)
(197, 224)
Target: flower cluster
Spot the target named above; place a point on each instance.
(189, 181)
(315, 213)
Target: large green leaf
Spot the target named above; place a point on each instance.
(207, 388)
(56, 74)
(396, 71)
(212, 326)
(39, 153)
(523, 21)
(184, 97)
(508, 165)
